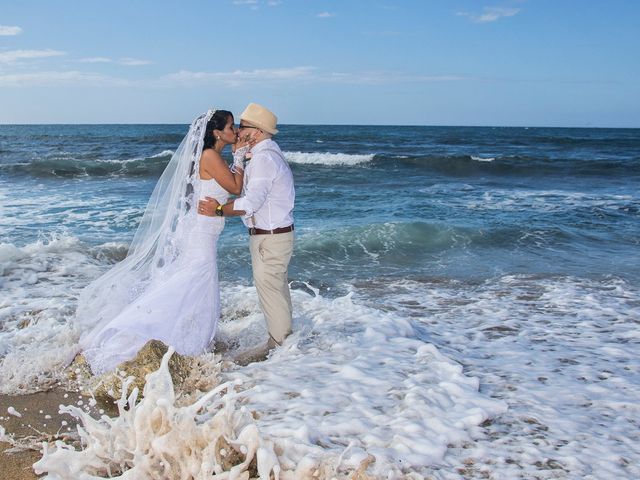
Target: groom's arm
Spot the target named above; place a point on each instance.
(255, 196)
(208, 207)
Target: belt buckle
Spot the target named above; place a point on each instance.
(252, 231)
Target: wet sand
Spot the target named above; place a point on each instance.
(17, 466)
(39, 421)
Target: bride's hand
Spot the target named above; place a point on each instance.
(241, 151)
(239, 156)
(243, 141)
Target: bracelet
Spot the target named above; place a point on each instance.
(219, 211)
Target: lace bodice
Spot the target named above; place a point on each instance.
(211, 188)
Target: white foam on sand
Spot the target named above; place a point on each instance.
(350, 386)
(562, 352)
(14, 412)
(356, 380)
(152, 438)
(39, 284)
(331, 159)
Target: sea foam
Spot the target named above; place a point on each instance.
(352, 385)
(153, 438)
(40, 283)
(478, 158)
(331, 159)
(561, 351)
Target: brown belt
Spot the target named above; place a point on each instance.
(259, 231)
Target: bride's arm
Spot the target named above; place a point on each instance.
(213, 166)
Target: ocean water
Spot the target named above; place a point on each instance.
(466, 300)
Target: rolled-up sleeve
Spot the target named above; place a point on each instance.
(257, 188)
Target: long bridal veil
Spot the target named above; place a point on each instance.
(158, 242)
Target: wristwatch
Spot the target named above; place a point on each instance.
(219, 211)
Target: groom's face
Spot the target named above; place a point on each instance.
(247, 132)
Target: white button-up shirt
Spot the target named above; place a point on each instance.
(268, 194)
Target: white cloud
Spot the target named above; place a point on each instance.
(128, 61)
(490, 14)
(300, 74)
(325, 15)
(255, 4)
(96, 60)
(282, 77)
(12, 56)
(239, 77)
(7, 31)
(379, 78)
(52, 78)
(133, 62)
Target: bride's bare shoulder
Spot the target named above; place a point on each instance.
(210, 161)
(209, 155)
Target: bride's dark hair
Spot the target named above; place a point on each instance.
(218, 122)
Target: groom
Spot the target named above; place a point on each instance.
(266, 208)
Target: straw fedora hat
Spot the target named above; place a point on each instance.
(260, 117)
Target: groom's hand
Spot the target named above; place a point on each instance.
(208, 206)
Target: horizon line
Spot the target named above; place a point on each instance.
(412, 125)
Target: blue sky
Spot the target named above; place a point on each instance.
(402, 62)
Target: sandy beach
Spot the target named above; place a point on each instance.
(17, 466)
(39, 421)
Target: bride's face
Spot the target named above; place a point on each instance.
(229, 134)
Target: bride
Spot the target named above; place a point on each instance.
(167, 286)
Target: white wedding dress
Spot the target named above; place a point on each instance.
(181, 307)
(167, 286)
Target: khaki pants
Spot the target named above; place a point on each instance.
(270, 255)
